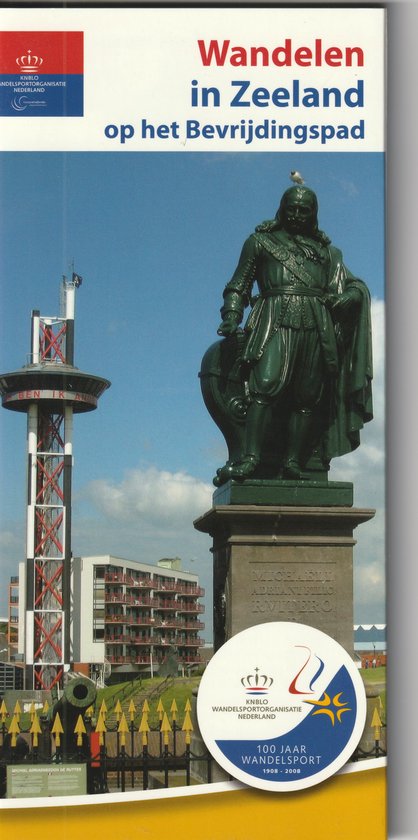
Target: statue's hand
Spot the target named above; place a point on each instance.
(341, 305)
(229, 325)
(329, 301)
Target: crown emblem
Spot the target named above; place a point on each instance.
(257, 683)
(29, 63)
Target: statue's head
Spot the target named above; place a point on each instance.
(298, 211)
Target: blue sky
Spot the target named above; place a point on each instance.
(156, 237)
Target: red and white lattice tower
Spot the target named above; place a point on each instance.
(50, 390)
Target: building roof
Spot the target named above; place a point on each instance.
(370, 632)
(370, 636)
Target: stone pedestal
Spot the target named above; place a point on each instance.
(283, 562)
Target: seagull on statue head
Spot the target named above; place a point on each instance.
(296, 177)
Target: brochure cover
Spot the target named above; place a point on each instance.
(192, 279)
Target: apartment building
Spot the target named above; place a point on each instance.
(132, 614)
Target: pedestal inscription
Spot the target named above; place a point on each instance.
(292, 588)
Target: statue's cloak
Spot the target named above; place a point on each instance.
(350, 404)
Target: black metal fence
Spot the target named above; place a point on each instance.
(157, 757)
(124, 758)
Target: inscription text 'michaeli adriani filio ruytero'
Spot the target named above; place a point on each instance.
(303, 590)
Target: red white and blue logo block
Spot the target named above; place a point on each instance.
(41, 74)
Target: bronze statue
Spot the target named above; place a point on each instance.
(293, 388)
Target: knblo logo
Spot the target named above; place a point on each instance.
(29, 63)
(257, 683)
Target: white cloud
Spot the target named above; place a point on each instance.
(369, 591)
(157, 496)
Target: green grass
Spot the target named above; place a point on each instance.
(181, 690)
(374, 675)
(377, 676)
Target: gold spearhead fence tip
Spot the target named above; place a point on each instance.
(36, 726)
(188, 706)
(118, 710)
(103, 709)
(14, 730)
(144, 726)
(35, 730)
(187, 727)
(123, 728)
(101, 724)
(89, 712)
(165, 728)
(160, 709)
(17, 709)
(80, 730)
(45, 709)
(173, 710)
(123, 725)
(3, 712)
(144, 729)
(145, 707)
(101, 729)
(14, 725)
(57, 730)
(132, 709)
(376, 721)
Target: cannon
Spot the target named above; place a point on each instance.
(78, 695)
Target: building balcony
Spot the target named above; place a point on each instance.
(189, 607)
(129, 580)
(144, 640)
(139, 583)
(166, 605)
(116, 618)
(167, 642)
(115, 597)
(138, 621)
(170, 623)
(190, 641)
(144, 659)
(114, 577)
(191, 590)
(193, 625)
(131, 601)
(143, 620)
(117, 639)
(122, 598)
(165, 586)
(142, 601)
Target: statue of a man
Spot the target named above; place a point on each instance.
(305, 355)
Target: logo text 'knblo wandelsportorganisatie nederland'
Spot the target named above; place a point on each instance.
(41, 74)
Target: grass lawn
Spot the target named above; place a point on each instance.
(377, 676)
(374, 675)
(181, 690)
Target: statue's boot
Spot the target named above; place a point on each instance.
(300, 427)
(256, 421)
